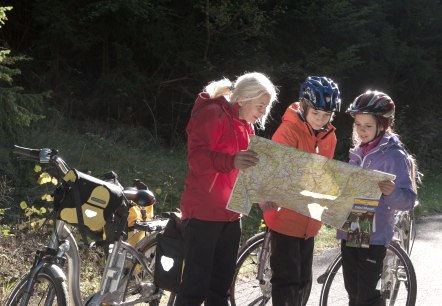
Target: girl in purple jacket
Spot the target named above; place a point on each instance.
(376, 147)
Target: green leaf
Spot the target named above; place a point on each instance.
(44, 178)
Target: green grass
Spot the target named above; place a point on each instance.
(326, 238)
(130, 152)
(430, 194)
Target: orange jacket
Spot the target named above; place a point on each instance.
(297, 133)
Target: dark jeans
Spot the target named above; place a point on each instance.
(291, 263)
(211, 249)
(362, 269)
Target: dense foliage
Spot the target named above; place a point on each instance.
(17, 108)
(143, 62)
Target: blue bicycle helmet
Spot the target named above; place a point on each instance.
(321, 93)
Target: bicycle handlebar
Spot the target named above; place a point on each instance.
(33, 154)
(42, 156)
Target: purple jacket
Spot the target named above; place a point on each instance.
(388, 156)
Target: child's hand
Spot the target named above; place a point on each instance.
(245, 159)
(387, 187)
(268, 206)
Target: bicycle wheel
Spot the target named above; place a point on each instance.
(399, 285)
(49, 289)
(246, 289)
(140, 283)
(398, 282)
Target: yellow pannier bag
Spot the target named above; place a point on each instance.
(133, 235)
(88, 202)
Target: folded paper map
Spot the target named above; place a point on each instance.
(310, 184)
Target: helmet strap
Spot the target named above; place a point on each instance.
(302, 111)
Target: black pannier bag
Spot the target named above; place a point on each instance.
(169, 258)
(91, 203)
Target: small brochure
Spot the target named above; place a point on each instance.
(360, 222)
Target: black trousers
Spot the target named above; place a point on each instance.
(211, 249)
(291, 262)
(362, 269)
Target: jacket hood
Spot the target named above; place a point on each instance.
(204, 100)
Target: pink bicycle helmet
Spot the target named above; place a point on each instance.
(373, 102)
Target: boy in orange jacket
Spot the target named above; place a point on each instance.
(305, 126)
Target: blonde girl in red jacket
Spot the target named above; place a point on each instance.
(305, 126)
(218, 137)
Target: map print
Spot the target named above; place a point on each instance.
(310, 184)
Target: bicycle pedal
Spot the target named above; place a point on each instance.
(321, 279)
(147, 289)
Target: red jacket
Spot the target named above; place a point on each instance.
(214, 135)
(296, 133)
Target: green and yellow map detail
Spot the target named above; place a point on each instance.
(313, 185)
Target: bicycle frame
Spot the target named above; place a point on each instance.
(112, 275)
(263, 257)
(73, 258)
(404, 230)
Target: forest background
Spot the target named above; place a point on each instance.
(110, 83)
(101, 80)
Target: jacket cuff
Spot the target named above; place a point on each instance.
(224, 162)
(231, 162)
(401, 199)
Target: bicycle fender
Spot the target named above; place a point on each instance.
(58, 272)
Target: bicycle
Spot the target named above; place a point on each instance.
(398, 284)
(128, 277)
(251, 282)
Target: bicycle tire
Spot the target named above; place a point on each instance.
(400, 291)
(140, 280)
(245, 288)
(47, 279)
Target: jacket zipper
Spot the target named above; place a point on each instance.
(322, 138)
(363, 159)
(213, 182)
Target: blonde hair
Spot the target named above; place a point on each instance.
(249, 86)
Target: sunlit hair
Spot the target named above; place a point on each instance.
(248, 87)
(413, 168)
